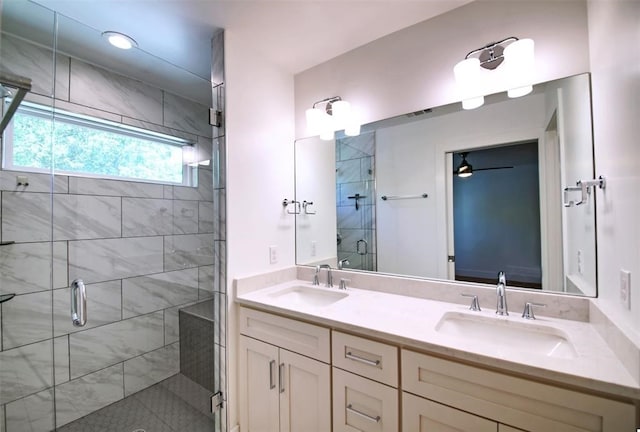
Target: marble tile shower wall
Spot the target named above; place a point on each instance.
(144, 251)
(355, 165)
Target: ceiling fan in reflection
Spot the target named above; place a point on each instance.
(465, 169)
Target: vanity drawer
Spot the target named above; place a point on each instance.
(302, 338)
(519, 402)
(365, 357)
(360, 404)
(423, 415)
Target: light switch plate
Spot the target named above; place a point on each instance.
(273, 254)
(625, 288)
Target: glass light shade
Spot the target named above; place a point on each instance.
(315, 121)
(465, 174)
(519, 62)
(341, 113)
(327, 134)
(519, 91)
(468, 79)
(352, 129)
(473, 103)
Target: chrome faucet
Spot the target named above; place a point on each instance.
(501, 291)
(342, 263)
(315, 276)
(329, 283)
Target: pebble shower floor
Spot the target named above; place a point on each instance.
(175, 404)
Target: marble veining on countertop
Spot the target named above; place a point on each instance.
(411, 322)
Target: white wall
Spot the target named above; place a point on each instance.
(259, 100)
(413, 69)
(316, 159)
(576, 153)
(259, 132)
(614, 35)
(406, 228)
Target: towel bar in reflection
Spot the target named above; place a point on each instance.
(397, 197)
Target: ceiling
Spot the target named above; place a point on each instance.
(295, 34)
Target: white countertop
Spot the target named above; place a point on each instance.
(411, 322)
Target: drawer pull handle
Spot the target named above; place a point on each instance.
(352, 410)
(353, 357)
(281, 377)
(272, 381)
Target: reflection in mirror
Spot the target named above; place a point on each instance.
(391, 200)
(496, 215)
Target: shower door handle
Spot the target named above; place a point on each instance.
(78, 303)
(359, 250)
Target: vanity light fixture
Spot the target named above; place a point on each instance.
(335, 115)
(518, 59)
(120, 40)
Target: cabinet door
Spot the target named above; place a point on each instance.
(363, 405)
(259, 409)
(305, 394)
(423, 415)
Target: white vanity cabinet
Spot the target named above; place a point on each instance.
(507, 400)
(283, 390)
(365, 381)
(299, 377)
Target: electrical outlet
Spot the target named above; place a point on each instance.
(313, 248)
(273, 254)
(625, 288)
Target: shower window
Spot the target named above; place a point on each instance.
(93, 147)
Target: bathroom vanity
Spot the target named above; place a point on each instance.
(318, 358)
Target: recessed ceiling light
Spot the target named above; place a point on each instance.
(119, 40)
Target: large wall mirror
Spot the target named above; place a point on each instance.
(395, 198)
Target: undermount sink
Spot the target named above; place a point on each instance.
(308, 296)
(508, 334)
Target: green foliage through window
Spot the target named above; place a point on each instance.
(67, 144)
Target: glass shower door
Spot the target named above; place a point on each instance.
(30, 263)
(122, 203)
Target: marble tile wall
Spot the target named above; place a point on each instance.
(144, 251)
(87, 89)
(36, 62)
(98, 88)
